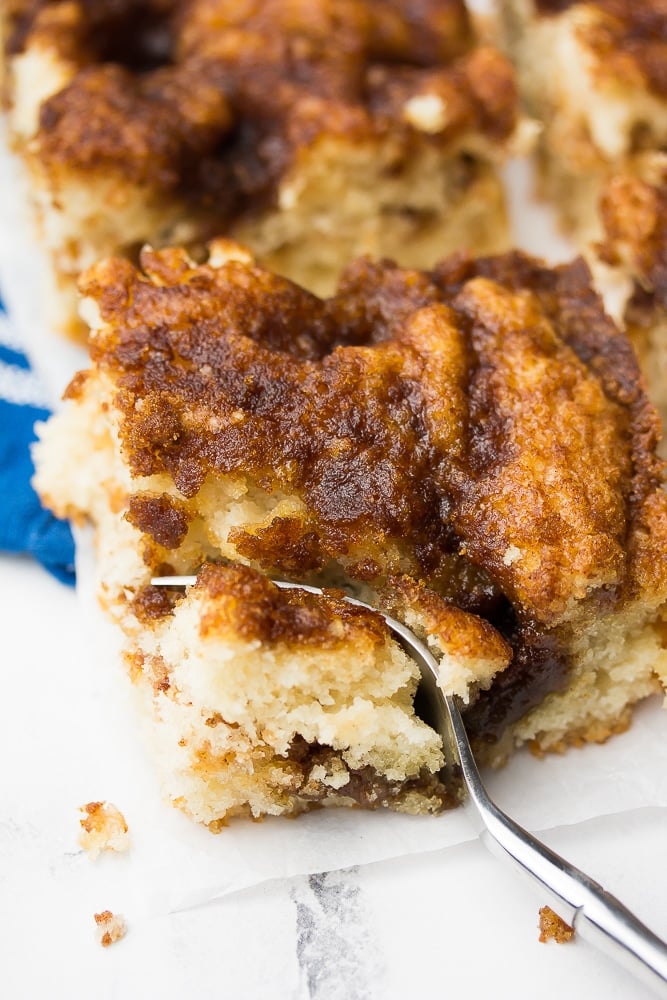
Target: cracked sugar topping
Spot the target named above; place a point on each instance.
(428, 423)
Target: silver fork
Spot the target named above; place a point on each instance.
(594, 913)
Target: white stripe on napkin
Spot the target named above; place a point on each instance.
(8, 335)
(21, 386)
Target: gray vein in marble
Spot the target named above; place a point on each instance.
(338, 955)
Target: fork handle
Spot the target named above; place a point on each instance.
(595, 913)
(609, 925)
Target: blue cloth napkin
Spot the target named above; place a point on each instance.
(25, 527)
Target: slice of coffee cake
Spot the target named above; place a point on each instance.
(470, 447)
(311, 131)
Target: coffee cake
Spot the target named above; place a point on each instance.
(469, 448)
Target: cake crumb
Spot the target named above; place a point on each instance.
(103, 828)
(553, 927)
(111, 927)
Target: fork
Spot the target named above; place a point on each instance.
(594, 913)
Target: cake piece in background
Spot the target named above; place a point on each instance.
(593, 73)
(469, 448)
(634, 215)
(311, 131)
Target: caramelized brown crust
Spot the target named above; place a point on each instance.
(243, 603)
(459, 633)
(161, 517)
(629, 38)
(213, 101)
(152, 129)
(485, 418)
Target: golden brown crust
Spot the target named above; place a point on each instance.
(222, 100)
(241, 602)
(629, 39)
(488, 413)
(459, 633)
(152, 130)
(421, 33)
(244, 603)
(575, 311)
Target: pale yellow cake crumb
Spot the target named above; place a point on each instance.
(111, 927)
(103, 828)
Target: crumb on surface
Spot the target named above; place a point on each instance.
(103, 828)
(553, 927)
(111, 927)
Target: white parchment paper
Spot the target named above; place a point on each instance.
(176, 864)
